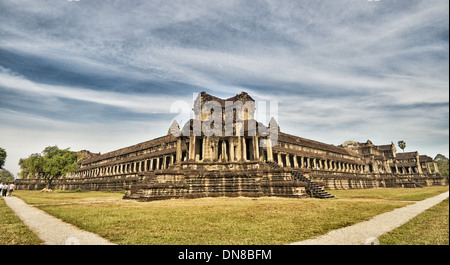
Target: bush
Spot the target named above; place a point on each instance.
(78, 190)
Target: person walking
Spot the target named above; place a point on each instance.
(1, 187)
(11, 188)
(4, 189)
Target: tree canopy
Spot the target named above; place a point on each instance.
(50, 164)
(2, 157)
(443, 164)
(402, 145)
(6, 176)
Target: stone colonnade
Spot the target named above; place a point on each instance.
(314, 163)
(144, 165)
(425, 167)
(239, 149)
(223, 149)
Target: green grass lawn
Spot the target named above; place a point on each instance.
(219, 221)
(406, 194)
(12, 230)
(429, 228)
(38, 197)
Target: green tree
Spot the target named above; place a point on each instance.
(402, 145)
(32, 166)
(51, 164)
(443, 165)
(2, 157)
(6, 176)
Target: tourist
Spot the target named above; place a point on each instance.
(11, 188)
(1, 187)
(4, 190)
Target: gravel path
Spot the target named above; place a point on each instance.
(50, 229)
(368, 231)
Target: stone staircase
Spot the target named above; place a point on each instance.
(273, 164)
(312, 188)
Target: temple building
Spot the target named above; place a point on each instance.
(224, 151)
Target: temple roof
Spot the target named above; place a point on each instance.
(425, 158)
(205, 97)
(407, 155)
(316, 144)
(130, 149)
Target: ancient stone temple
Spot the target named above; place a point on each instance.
(224, 151)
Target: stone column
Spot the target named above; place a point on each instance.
(198, 150)
(420, 168)
(224, 151)
(215, 154)
(288, 161)
(203, 148)
(428, 167)
(256, 147)
(436, 169)
(191, 149)
(179, 151)
(239, 155)
(280, 162)
(231, 148)
(244, 149)
(269, 150)
(295, 161)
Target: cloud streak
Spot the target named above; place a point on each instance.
(340, 69)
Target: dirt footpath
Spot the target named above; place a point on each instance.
(50, 229)
(368, 231)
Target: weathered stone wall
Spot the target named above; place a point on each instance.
(216, 183)
(339, 180)
(115, 183)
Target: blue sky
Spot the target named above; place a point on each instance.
(101, 75)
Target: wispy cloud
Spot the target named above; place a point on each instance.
(350, 69)
(136, 103)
